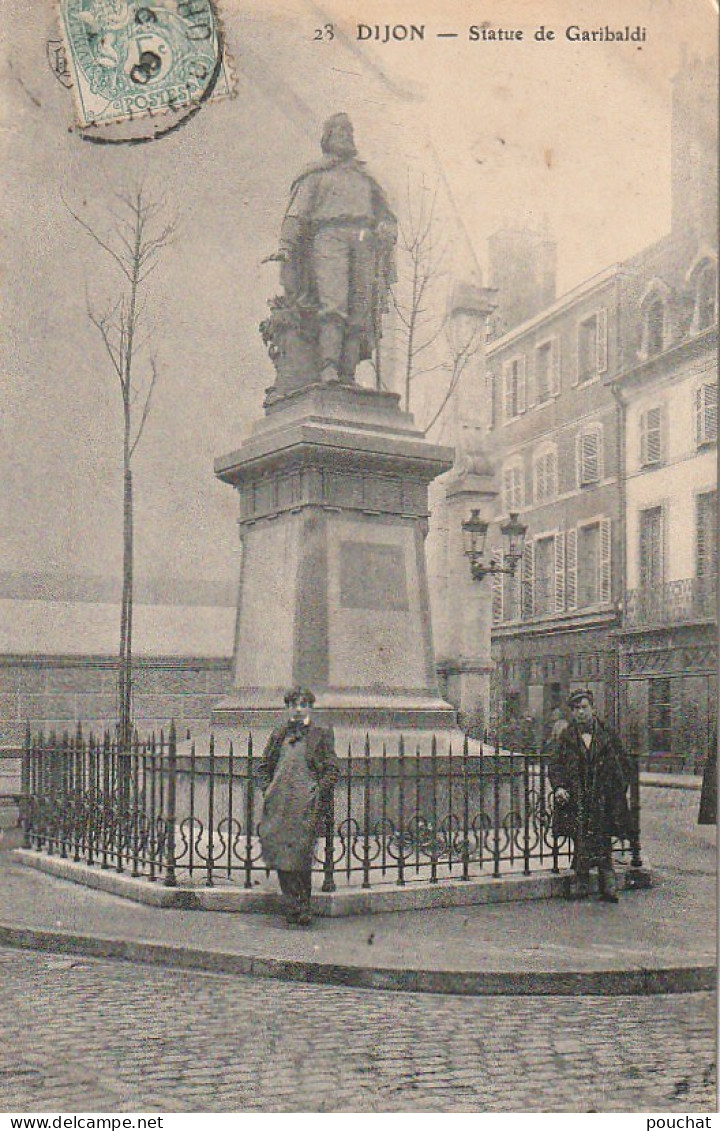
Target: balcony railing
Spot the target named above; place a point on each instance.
(684, 601)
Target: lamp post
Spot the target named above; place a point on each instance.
(474, 535)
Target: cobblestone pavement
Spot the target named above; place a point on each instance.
(99, 1036)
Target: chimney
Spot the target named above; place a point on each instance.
(523, 267)
(694, 151)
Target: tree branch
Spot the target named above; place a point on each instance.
(101, 243)
(146, 407)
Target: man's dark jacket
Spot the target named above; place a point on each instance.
(319, 751)
(596, 780)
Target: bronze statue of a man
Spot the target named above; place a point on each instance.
(336, 249)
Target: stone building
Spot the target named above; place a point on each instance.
(666, 386)
(602, 430)
(552, 435)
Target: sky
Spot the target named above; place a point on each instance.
(575, 137)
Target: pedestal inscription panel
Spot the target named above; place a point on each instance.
(372, 576)
(378, 634)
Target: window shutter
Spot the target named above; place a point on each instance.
(521, 384)
(602, 340)
(652, 547)
(508, 388)
(706, 535)
(513, 487)
(531, 378)
(707, 411)
(652, 436)
(508, 488)
(589, 457)
(711, 411)
(528, 603)
(517, 495)
(539, 479)
(701, 541)
(699, 413)
(551, 484)
(605, 586)
(559, 572)
(555, 368)
(497, 598)
(571, 569)
(492, 389)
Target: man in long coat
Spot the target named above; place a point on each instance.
(297, 770)
(590, 775)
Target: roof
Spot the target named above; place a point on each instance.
(594, 283)
(33, 627)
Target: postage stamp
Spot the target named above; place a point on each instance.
(134, 61)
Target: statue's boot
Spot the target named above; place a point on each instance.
(608, 885)
(330, 346)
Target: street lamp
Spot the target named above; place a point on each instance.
(474, 535)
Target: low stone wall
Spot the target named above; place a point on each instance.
(57, 692)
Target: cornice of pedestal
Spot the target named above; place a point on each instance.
(329, 443)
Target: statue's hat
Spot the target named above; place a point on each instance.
(334, 120)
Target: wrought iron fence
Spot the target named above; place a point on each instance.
(401, 816)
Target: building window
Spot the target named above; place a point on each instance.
(651, 548)
(706, 537)
(506, 597)
(588, 549)
(588, 578)
(706, 414)
(651, 436)
(660, 715)
(592, 347)
(513, 486)
(547, 370)
(514, 379)
(590, 456)
(545, 476)
(655, 326)
(544, 601)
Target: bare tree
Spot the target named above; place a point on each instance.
(139, 231)
(463, 348)
(420, 269)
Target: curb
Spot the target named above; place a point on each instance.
(601, 983)
(671, 781)
(506, 888)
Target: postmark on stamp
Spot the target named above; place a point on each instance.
(132, 61)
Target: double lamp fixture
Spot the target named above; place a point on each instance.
(474, 534)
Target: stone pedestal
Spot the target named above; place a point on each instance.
(332, 486)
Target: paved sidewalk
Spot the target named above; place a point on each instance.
(657, 940)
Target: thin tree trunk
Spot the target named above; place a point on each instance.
(136, 256)
(126, 615)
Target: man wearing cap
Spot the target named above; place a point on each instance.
(336, 251)
(297, 770)
(590, 776)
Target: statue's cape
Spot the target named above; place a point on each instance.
(326, 163)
